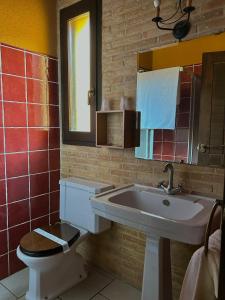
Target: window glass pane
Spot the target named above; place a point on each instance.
(79, 72)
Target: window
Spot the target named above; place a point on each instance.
(80, 47)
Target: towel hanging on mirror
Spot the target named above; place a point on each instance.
(157, 97)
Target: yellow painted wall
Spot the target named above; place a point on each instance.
(29, 24)
(182, 54)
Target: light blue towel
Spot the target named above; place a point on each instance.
(157, 95)
(145, 151)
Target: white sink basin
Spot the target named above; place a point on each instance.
(181, 217)
(155, 204)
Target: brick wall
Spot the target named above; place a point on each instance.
(127, 29)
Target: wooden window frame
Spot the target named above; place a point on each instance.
(95, 9)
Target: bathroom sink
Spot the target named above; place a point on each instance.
(181, 217)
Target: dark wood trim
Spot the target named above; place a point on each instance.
(95, 9)
(221, 292)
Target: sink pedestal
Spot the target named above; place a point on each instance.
(157, 279)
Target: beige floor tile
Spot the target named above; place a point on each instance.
(99, 297)
(119, 290)
(17, 283)
(5, 294)
(88, 288)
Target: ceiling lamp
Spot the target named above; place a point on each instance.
(179, 21)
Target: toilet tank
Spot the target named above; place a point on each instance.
(75, 204)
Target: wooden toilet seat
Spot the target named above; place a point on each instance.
(35, 245)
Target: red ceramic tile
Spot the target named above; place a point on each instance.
(0, 88)
(40, 222)
(53, 96)
(181, 159)
(168, 149)
(157, 148)
(39, 206)
(53, 116)
(38, 162)
(38, 138)
(15, 114)
(198, 70)
(35, 65)
(157, 157)
(16, 139)
(15, 264)
(3, 242)
(16, 164)
(1, 140)
(2, 166)
(52, 70)
(13, 88)
(168, 158)
(54, 159)
(54, 138)
(36, 91)
(182, 120)
(3, 217)
(168, 135)
(4, 266)
(37, 115)
(184, 106)
(18, 188)
(185, 90)
(13, 61)
(182, 135)
(1, 116)
(18, 212)
(39, 184)
(54, 180)
(186, 75)
(181, 149)
(16, 233)
(2, 192)
(54, 218)
(157, 135)
(54, 201)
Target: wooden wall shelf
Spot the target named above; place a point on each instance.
(118, 129)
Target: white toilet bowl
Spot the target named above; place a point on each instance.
(50, 276)
(50, 253)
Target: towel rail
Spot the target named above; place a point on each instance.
(208, 228)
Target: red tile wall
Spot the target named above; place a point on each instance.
(172, 145)
(29, 148)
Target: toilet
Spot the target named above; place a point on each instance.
(50, 251)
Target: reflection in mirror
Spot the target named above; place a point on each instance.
(79, 72)
(178, 144)
(198, 134)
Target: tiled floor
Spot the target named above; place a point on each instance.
(98, 286)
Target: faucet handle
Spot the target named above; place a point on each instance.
(161, 183)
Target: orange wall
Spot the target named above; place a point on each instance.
(182, 54)
(29, 24)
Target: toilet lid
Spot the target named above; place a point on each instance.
(36, 245)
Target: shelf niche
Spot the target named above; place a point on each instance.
(118, 129)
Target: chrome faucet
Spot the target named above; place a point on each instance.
(170, 190)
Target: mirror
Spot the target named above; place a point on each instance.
(198, 136)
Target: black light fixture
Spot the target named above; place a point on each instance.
(179, 21)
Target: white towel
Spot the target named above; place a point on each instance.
(157, 97)
(201, 278)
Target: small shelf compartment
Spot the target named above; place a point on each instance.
(118, 129)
